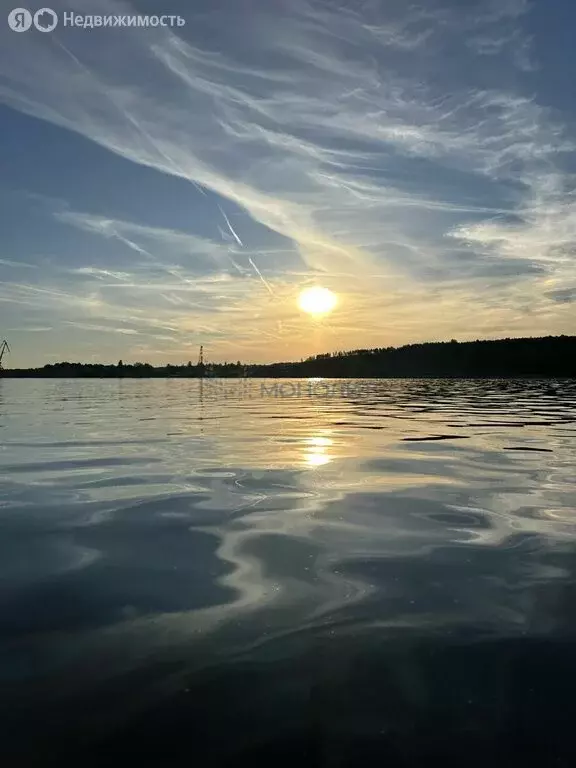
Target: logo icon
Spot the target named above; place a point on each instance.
(19, 20)
(45, 20)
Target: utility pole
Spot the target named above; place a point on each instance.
(3, 349)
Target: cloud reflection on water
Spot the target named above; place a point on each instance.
(253, 522)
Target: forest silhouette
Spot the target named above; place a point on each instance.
(549, 356)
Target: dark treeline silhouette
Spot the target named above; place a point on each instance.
(550, 356)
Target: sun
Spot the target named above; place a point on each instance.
(317, 300)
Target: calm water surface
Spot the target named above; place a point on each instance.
(335, 573)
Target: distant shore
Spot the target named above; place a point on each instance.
(546, 357)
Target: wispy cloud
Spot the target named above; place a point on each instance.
(17, 264)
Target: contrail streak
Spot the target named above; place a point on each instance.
(240, 270)
(231, 228)
(226, 237)
(260, 275)
(154, 144)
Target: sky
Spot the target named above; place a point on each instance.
(162, 188)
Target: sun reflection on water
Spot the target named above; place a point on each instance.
(316, 453)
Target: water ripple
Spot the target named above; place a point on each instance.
(151, 530)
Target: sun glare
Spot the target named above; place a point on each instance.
(317, 301)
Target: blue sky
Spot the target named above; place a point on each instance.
(165, 188)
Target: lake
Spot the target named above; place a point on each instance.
(332, 573)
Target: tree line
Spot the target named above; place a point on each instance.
(549, 356)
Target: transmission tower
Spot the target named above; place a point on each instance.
(3, 349)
